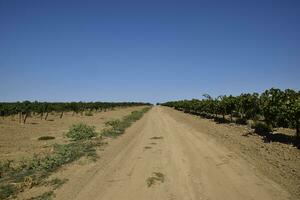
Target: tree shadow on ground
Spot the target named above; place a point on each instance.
(267, 137)
(221, 120)
(282, 138)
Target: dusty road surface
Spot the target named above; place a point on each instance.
(160, 158)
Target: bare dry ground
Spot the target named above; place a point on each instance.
(21, 140)
(171, 155)
(278, 161)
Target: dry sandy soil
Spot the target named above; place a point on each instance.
(171, 155)
(21, 140)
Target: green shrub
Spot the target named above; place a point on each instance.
(33, 171)
(81, 132)
(261, 128)
(113, 123)
(63, 154)
(117, 127)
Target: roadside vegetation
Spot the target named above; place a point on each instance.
(15, 177)
(117, 127)
(272, 109)
(81, 131)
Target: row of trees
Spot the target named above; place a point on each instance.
(26, 108)
(275, 107)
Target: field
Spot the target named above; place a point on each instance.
(33, 152)
(21, 140)
(172, 155)
(167, 154)
(230, 147)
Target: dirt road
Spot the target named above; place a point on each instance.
(161, 158)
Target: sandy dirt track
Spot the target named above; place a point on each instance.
(193, 165)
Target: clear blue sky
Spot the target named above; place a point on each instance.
(153, 51)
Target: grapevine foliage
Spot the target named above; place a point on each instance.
(274, 107)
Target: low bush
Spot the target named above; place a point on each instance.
(33, 171)
(63, 154)
(117, 127)
(81, 132)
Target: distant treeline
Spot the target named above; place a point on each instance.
(274, 107)
(26, 108)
